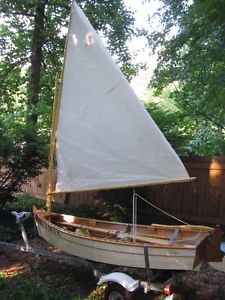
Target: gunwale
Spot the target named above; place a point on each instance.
(179, 245)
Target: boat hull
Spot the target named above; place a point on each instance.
(121, 253)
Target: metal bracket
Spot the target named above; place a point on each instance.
(20, 218)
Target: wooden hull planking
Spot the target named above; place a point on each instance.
(106, 249)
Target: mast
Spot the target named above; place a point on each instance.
(55, 118)
(51, 158)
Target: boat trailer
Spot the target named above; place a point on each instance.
(122, 286)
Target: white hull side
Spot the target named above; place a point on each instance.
(117, 253)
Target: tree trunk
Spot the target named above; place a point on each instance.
(36, 59)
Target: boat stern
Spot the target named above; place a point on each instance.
(208, 249)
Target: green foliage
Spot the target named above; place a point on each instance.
(193, 60)
(8, 233)
(24, 290)
(21, 158)
(177, 128)
(187, 135)
(32, 47)
(112, 19)
(117, 24)
(46, 288)
(9, 230)
(116, 205)
(24, 202)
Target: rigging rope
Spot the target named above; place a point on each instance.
(134, 227)
(161, 210)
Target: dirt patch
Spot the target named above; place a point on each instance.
(25, 275)
(206, 284)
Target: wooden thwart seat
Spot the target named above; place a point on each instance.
(90, 228)
(115, 233)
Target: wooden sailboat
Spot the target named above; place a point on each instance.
(105, 139)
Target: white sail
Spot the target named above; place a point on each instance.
(105, 137)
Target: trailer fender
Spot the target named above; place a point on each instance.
(124, 280)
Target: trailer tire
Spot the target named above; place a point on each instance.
(115, 291)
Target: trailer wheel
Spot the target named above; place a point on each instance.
(115, 291)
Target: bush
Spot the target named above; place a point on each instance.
(9, 230)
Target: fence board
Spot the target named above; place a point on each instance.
(201, 201)
(38, 189)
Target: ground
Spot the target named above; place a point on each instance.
(206, 284)
(33, 276)
(26, 276)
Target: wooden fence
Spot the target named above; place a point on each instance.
(201, 201)
(38, 189)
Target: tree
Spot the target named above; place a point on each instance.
(176, 126)
(32, 47)
(187, 135)
(193, 61)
